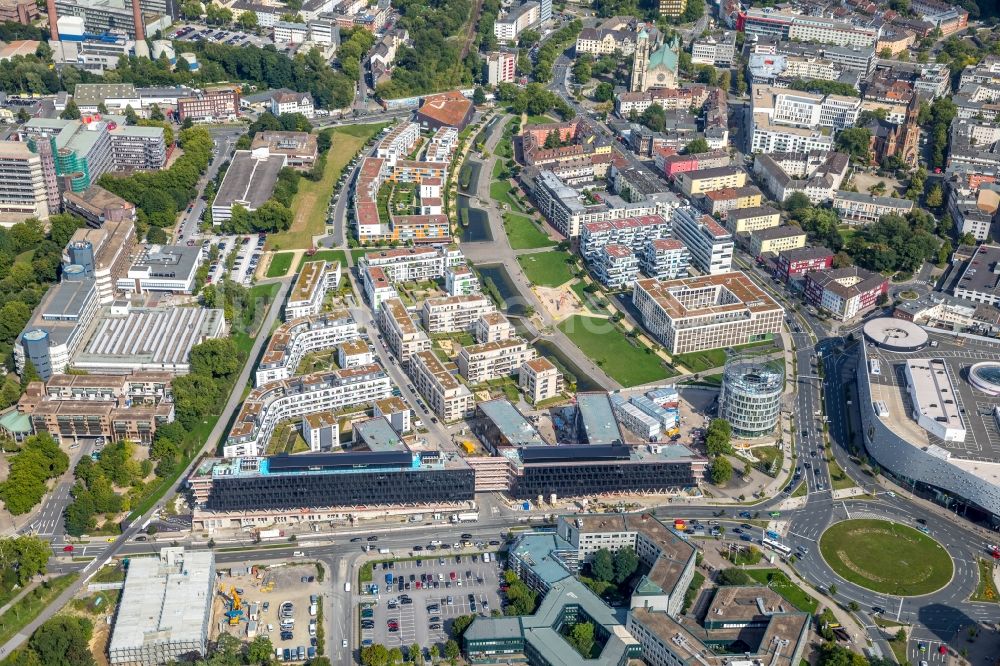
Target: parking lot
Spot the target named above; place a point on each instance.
(427, 618)
(274, 588)
(193, 33)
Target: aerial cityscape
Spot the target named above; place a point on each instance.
(499, 332)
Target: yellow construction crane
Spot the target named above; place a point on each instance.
(236, 598)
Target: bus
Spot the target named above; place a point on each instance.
(774, 545)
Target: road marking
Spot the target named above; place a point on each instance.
(802, 536)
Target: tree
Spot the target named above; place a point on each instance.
(415, 655)
(156, 235)
(581, 636)
(247, 21)
(797, 201)
(626, 563)
(582, 70)
(856, 142)
(24, 556)
(64, 641)
(603, 565)
(260, 650)
(696, 147)
(71, 112)
(885, 53)
(375, 655)
(552, 140)
(718, 436)
(833, 589)
(192, 10)
(967, 239)
(853, 606)
(451, 649)
(395, 655)
(478, 96)
(654, 118)
(722, 470)
(436, 651)
(935, 197)
(605, 92)
(528, 38)
(155, 113)
(460, 624)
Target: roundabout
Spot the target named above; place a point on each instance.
(886, 557)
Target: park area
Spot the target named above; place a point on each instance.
(624, 362)
(313, 198)
(886, 557)
(547, 269)
(524, 233)
(280, 263)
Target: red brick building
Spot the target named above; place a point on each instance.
(209, 106)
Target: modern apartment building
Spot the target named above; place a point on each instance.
(314, 280)
(493, 360)
(414, 264)
(631, 232)
(858, 208)
(22, 184)
(377, 286)
(615, 266)
(540, 380)
(794, 121)
(354, 352)
(403, 337)
(492, 327)
(710, 244)
(461, 281)
(291, 398)
(664, 259)
(720, 202)
(291, 341)
(707, 312)
(447, 397)
(451, 314)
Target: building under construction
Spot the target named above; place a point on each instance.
(165, 609)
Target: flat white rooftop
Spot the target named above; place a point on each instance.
(934, 405)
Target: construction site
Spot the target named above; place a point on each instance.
(282, 601)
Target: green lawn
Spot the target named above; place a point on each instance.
(523, 233)
(30, 605)
(611, 350)
(324, 255)
(700, 361)
(588, 300)
(540, 120)
(280, 263)
(780, 583)
(547, 269)
(500, 192)
(313, 198)
(839, 478)
(886, 557)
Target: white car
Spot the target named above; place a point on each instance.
(343, 643)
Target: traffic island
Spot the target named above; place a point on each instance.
(886, 557)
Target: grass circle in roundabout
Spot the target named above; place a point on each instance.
(886, 557)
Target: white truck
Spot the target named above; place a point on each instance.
(468, 517)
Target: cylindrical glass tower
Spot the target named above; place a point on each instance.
(751, 396)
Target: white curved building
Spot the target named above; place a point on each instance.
(751, 397)
(904, 451)
(293, 339)
(319, 392)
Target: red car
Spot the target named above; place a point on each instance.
(67, 549)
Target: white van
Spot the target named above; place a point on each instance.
(383, 551)
(298, 553)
